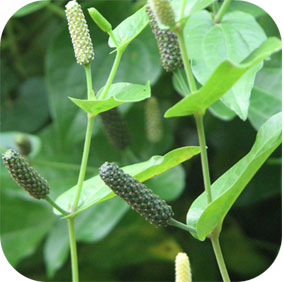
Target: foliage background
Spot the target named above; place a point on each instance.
(38, 73)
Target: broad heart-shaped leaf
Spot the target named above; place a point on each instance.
(222, 79)
(266, 98)
(233, 39)
(118, 94)
(227, 188)
(130, 28)
(95, 191)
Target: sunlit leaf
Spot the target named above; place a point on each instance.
(227, 188)
(95, 191)
(222, 79)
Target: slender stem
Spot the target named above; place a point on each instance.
(219, 257)
(182, 8)
(180, 225)
(203, 151)
(186, 63)
(84, 162)
(88, 71)
(222, 11)
(112, 74)
(73, 250)
(113, 38)
(204, 159)
(52, 203)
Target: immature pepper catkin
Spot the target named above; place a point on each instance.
(163, 11)
(115, 128)
(26, 176)
(167, 44)
(153, 118)
(183, 271)
(78, 28)
(137, 195)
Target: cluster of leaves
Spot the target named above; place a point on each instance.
(27, 92)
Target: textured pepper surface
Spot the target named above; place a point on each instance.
(183, 271)
(115, 128)
(26, 176)
(136, 194)
(167, 44)
(163, 11)
(153, 118)
(80, 35)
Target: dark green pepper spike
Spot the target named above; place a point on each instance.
(167, 44)
(115, 128)
(26, 176)
(136, 194)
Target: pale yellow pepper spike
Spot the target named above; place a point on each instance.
(79, 32)
(183, 271)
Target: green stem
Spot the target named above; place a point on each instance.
(219, 257)
(182, 8)
(204, 158)
(52, 203)
(215, 7)
(186, 63)
(112, 74)
(73, 250)
(84, 162)
(222, 11)
(180, 225)
(88, 71)
(203, 151)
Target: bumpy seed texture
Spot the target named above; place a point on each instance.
(183, 271)
(78, 28)
(115, 128)
(26, 176)
(136, 194)
(163, 11)
(153, 118)
(167, 44)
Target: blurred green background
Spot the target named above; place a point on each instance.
(38, 73)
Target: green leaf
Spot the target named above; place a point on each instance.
(222, 79)
(233, 39)
(30, 105)
(180, 82)
(118, 94)
(191, 7)
(246, 7)
(168, 185)
(227, 188)
(98, 221)
(219, 110)
(64, 77)
(95, 191)
(56, 248)
(266, 98)
(130, 28)
(24, 221)
(30, 8)
(91, 226)
(7, 141)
